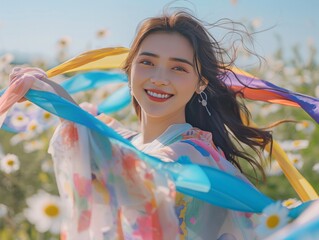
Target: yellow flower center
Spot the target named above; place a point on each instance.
(296, 143)
(28, 104)
(33, 127)
(47, 115)
(288, 202)
(305, 124)
(10, 162)
(52, 210)
(272, 221)
(20, 118)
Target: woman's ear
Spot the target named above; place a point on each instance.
(202, 84)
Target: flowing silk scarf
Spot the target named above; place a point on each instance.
(241, 197)
(200, 184)
(238, 80)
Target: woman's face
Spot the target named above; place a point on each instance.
(163, 76)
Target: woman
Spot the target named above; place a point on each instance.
(186, 112)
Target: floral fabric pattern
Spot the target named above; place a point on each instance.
(114, 194)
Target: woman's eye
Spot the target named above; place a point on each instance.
(180, 69)
(145, 62)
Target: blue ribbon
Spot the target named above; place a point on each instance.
(90, 80)
(205, 183)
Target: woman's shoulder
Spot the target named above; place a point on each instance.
(203, 143)
(197, 133)
(197, 144)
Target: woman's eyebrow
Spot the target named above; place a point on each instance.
(171, 59)
(149, 54)
(182, 60)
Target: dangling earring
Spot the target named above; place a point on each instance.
(204, 101)
(130, 88)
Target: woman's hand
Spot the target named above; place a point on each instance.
(22, 79)
(105, 118)
(18, 72)
(37, 79)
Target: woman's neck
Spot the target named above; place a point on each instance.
(152, 128)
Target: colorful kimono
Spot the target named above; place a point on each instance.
(113, 194)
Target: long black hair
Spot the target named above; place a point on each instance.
(227, 110)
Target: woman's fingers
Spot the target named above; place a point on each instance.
(27, 69)
(22, 79)
(22, 84)
(29, 77)
(104, 118)
(18, 72)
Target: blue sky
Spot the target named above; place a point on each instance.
(35, 26)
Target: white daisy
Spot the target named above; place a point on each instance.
(3, 210)
(256, 23)
(305, 126)
(9, 163)
(46, 119)
(274, 169)
(5, 60)
(273, 217)
(289, 71)
(46, 212)
(34, 128)
(1, 151)
(317, 91)
(315, 168)
(19, 137)
(27, 107)
(102, 33)
(64, 42)
(33, 145)
(294, 145)
(47, 165)
(19, 120)
(269, 109)
(306, 77)
(276, 66)
(291, 203)
(296, 160)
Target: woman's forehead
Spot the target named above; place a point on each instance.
(167, 44)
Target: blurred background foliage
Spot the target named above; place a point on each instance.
(297, 73)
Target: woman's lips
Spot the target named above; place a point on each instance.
(158, 96)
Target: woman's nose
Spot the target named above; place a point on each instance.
(160, 77)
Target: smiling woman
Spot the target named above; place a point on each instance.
(174, 69)
(163, 64)
(183, 58)
(191, 127)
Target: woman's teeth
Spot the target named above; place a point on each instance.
(158, 95)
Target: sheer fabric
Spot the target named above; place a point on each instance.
(114, 194)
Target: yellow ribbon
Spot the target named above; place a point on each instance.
(302, 187)
(104, 58)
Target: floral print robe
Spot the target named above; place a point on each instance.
(113, 194)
